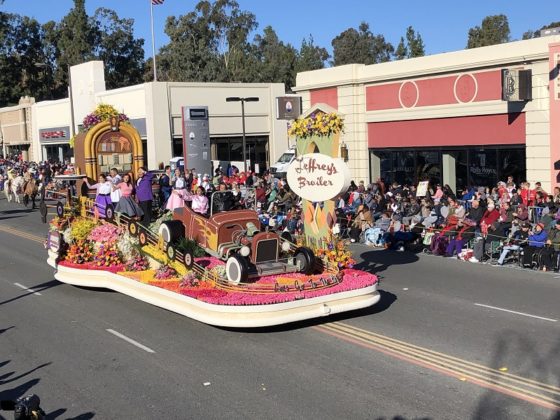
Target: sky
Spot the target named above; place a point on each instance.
(443, 25)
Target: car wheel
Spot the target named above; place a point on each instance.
(237, 270)
(109, 213)
(60, 209)
(305, 259)
(171, 230)
(188, 259)
(171, 252)
(143, 238)
(133, 229)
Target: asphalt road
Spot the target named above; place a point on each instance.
(448, 340)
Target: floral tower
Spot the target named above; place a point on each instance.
(318, 175)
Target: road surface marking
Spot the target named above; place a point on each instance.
(22, 234)
(130, 340)
(517, 313)
(526, 389)
(27, 289)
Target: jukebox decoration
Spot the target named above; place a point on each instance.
(107, 140)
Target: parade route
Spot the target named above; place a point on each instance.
(448, 340)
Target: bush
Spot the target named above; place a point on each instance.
(191, 245)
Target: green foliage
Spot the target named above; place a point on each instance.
(34, 58)
(360, 46)
(310, 56)
(191, 245)
(402, 51)
(415, 43)
(208, 44)
(537, 34)
(276, 60)
(122, 54)
(493, 30)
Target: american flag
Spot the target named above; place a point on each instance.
(156, 2)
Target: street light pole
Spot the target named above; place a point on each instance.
(244, 146)
(243, 100)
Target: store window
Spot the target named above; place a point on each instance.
(428, 166)
(473, 166)
(483, 170)
(512, 162)
(230, 149)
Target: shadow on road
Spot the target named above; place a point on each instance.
(16, 211)
(9, 217)
(26, 388)
(385, 302)
(37, 288)
(378, 261)
(529, 360)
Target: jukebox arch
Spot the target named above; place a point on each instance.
(108, 145)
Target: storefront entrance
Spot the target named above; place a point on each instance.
(473, 166)
(57, 153)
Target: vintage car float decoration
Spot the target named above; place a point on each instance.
(235, 237)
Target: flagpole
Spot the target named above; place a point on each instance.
(153, 39)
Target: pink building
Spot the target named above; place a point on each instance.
(443, 117)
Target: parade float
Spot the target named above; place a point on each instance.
(222, 269)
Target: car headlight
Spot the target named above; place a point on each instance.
(245, 251)
(286, 246)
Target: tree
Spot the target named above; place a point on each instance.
(122, 54)
(536, 34)
(310, 56)
(360, 46)
(402, 51)
(23, 65)
(494, 30)
(415, 43)
(76, 39)
(209, 44)
(413, 47)
(277, 60)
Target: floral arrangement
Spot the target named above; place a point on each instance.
(80, 252)
(317, 124)
(58, 224)
(128, 246)
(336, 253)
(102, 112)
(190, 280)
(81, 228)
(165, 272)
(107, 255)
(105, 233)
(137, 263)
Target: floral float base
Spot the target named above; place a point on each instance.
(356, 290)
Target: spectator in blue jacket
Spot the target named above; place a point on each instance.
(537, 239)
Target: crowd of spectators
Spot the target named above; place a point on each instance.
(476, 223)
(501, 223)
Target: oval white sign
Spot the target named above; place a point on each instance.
(318, 177)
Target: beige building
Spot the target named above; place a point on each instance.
(443, 117)
(16, 129)
(155, 109)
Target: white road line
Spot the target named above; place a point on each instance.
(21, 286)
(130, 340)
(517, 313)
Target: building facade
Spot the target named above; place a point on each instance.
(442, 117)
(155, 110)
(16, 129)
